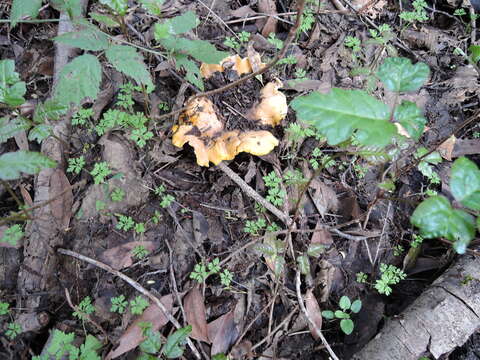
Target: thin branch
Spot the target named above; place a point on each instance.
(136, 286)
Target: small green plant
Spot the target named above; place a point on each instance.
(294, 177)
(165, 199)
(425, 165)
(272, 39)
(231, 42)
(418, 14)
(4, 308)
(353, 43)
(100, 205)
(164, 106)
(119, 304)
(13, 330)
(125, 223)
(275, 194)
(117, 194)
(254, 227)
(300, 74)
(12, 235)
(390, 275)
(100, 172)
(140, 252)
(151, 345)
(226, 278)
(202, 271)
(244, 36)
(288, 60)
(319, 159)
(476, 135)
(417, 240)
(82, 116)
(156, 217)
(459, 12)
(75, 165)
(361, 277)
(346, 308)
(139, 228)
(84, 309)
(398, 250)
(138, 305)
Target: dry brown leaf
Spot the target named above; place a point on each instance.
(466, 147)
(322, 235)
(446, 148)
(273, 107)
(26, 195)
(324, 197)
(196, 315)
(242, 12)
(268, 7)
(120, 257)
(132, 337)
(60, 190)
(314, 313)
(223, 333)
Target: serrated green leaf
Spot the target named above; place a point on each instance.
(118, 6)
(347, 326)
(328, 314)
(409, 115)
(182, 24)
(50, 110)
(88, 350)
(79, 79)
(12, 164)
(315, 250)
(344, 303)
(474, 51)
(435, 217)
(106, 20)
(465, 183)
(193, 74)
(356, 306)
(340, 113)
(40, 133)
(127, 60)
(72, 7)
(174, 346)
(303, 264)
(85, 39)
(400, 75)
(12, 89)
(154, 7)
(9, 128)
(24, 8)
(200, 50)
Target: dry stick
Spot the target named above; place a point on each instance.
(284, 321)
(136, 286)
(311, 322)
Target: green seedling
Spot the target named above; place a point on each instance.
(390, 275)
(117, 194)
(119, 304)
(75, 165)
(140, 252)
(346, 308)
(13, 330)
(125, 223)
(12, 235)
(100, 172)
(84, 309)
(138, 305)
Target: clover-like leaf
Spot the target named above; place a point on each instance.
(127, 60)
(435, 218)
(399, 74)
(340, 113)
(347, 326)
(12, 164)
(79, 79)
(465, 183)
(409, 115)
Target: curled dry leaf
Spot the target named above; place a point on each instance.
(196, 315)
(273, 107)
(240, 65)
(201, 129)
(314, 313)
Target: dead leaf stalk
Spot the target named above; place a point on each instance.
(136, 286)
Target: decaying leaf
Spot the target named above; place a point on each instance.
(196, 315)
(120, 257)
(200, 127)
(314, 313)
(273, 107)
(62, 196)
(446, 148)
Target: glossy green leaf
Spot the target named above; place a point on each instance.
(24, 8)
(344, 303)
(474, 51)
(327, 314)
(409, 115)
(12, 164)
(12, 89)
(341, 315)
(435, 218)
(106, 20)
(79, 79)
(154, 7)
(303, 264)
(340, 113)
(347, 326)
(192, 75)
(118, 6)
(175, 343)
(50, 110)
(356, 306)
(40, 132)
(127, 60)
(465, 183)
(199, 49)
(10, 127)
(85, 39)
(432, 158)
(399, 74)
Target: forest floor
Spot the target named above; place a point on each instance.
(192, 235)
